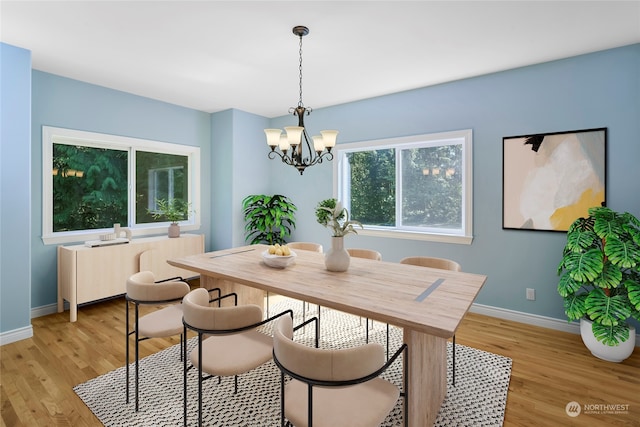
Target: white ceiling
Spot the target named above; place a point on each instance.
(215, 55)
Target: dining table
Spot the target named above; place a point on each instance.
(427, 303)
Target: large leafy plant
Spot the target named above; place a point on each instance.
(269, 219)
(600, 271)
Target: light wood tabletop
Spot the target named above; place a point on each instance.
(427, 303)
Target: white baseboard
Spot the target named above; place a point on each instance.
(16, 335)
(27, 332)
(501, 313)
(531, 319)
(45, 310)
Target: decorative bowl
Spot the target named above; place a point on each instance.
(278, 261)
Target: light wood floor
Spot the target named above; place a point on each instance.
(550, 369)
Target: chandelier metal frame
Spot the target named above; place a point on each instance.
(289, 147)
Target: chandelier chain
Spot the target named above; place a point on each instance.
(300, 104)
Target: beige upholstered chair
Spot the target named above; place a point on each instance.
(365, 253)
(333, 388)
(375, 255)
(443, 264)
(228, 341)
(425, 261)
(142, 289)
(303, 246)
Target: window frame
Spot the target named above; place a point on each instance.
(51, 135)
(465, 137)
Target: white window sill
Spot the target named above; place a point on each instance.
(412, 235)
(82, 236)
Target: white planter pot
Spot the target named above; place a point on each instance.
(616, 353)
(337, 259)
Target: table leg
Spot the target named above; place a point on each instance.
(427, 380)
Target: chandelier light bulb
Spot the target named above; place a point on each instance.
(294, 134)
(284, 143)
(329, 137)
(273, 137)
(318, 143)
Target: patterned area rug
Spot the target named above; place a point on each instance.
(478, 398)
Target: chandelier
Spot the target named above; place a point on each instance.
(294, 146)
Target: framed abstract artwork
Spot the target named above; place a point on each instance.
(549, 180)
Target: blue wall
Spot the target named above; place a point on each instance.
(66, 103)
(596, 90)
(240, 170)
(15, 187)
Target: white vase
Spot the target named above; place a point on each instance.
(174, 230)
(337, 258)
(602, 351)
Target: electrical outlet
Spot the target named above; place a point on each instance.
(531, 294)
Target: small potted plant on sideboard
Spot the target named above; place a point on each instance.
(172, 210)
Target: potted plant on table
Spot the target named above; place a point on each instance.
(331, 214)
(173, 210)
(269, 219)
(600, 281)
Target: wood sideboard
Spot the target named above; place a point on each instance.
(87, 274)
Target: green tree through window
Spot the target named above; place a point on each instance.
(89, 187)
(419, 185)
(91, 181)
(373, 186)
(432, 187)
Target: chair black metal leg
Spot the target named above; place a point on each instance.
(127, 346)
(182, 344)
(367, 329)
(387, 341)
(367, 336)
(137, 357)
(184, 379)
(454, 360)
(200, 379)
(310, 406)
(282, 422)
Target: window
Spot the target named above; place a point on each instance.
(416, 187)
(92, 181)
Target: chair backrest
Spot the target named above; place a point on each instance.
(324, 364)
(365, 253)
(198, 313)
(305, 246)
(142, 288)
(433, 262)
